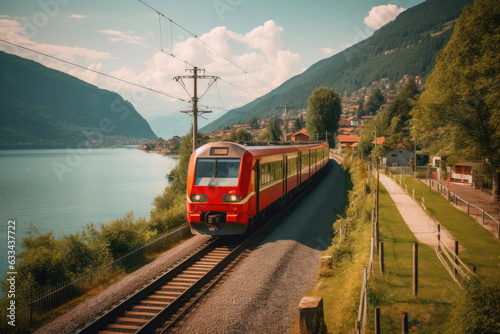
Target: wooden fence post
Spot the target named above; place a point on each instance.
(311, 315)
(404, 323)
(415, 269)
(482, 211)
(456, 257)
(381, 256)
(468, 210)
(439, 237)
(377, 320)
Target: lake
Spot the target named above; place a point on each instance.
(62, 190)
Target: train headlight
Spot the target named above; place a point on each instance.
(198, 198)
(231, 198)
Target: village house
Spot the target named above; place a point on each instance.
(398, 158)
(462, 172)
(355, 121)
(347, 141)
(302, 135)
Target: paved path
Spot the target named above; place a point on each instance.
(414, 215)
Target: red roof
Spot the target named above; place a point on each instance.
(348, 139)
(380, 140)
(303, 131)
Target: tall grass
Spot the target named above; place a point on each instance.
(341, 275)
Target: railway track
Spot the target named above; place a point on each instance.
(159, 306)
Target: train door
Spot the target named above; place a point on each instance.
(256, 181)
(299, 168)
(285, 173)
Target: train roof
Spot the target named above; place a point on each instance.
(257, 148)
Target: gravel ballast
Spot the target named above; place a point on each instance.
(262, 293)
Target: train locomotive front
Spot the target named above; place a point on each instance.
(219, 191)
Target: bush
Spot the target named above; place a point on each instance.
(124, 234)
(477, 309)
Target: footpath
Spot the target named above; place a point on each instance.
(421, 225)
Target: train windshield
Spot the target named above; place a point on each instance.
(217, 172)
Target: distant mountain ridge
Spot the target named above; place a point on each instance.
(407, 45)
(45, 107)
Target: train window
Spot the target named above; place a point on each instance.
(292, 166)
(217, 172)
(270, 172)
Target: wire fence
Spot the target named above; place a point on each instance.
(47, 298)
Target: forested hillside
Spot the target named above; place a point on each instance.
(41, 106)
(407, 45)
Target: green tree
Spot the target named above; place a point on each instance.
(361, 109)
(460, 107)
(240, 134)
(375, 101)
(297, 125)
(323, 113)
(170, 207)
(253, 122)
(124, 234)
(403, 103)
(272, 131)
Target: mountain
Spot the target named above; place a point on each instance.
(407, 45)
(42, 106)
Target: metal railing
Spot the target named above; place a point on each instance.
(474, 211)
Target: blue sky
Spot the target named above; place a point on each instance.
(271, 40)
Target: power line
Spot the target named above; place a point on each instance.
(207, 45)
(98, 72)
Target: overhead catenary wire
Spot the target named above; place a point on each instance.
(204, 43)
(97, 72)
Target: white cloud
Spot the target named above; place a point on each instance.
(259, 52)
(78, 16)
(380, 15)
(329, 51)
(123, 36)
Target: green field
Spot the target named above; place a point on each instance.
(392, 292)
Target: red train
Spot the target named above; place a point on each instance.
(231, 185)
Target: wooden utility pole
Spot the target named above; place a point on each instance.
(195, 112)
(381, 256)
